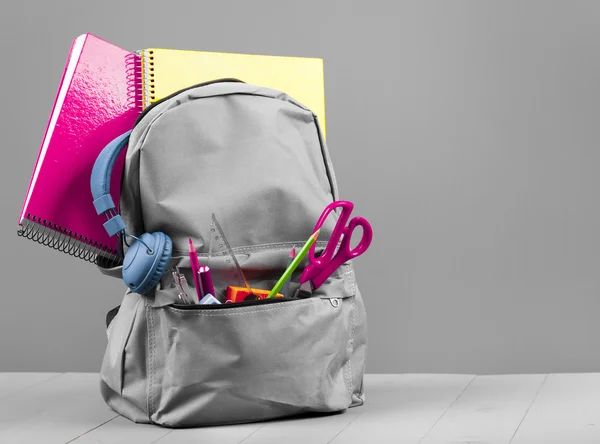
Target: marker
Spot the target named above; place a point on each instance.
(206, 280)
(305, 290)
(286, 286)
(299, 258)
(194, 264)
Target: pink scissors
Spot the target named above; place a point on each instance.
(320, 268)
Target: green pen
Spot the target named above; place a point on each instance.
(287, 274)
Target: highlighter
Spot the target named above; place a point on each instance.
(239, 294)
(206, 280)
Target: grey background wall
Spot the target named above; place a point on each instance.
(466, 132)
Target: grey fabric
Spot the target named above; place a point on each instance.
(255, 158)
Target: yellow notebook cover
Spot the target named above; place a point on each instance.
(166, 71)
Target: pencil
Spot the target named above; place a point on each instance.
(290, 269)
(286, 286)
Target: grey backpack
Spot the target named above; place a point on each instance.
(256, 159)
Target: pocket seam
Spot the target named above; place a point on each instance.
(349, 273)
(350, 385)
(151, 357)
(278, 246)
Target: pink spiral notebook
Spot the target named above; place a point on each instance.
(96, 101)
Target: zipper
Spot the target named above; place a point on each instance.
(159, 101)
(237, 304)
(335, 303)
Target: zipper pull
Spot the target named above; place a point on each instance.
(335, 302)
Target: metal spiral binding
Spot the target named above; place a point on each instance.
(66, 241)
(147, 63)
(133, 66)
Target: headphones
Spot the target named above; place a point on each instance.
(147, 258)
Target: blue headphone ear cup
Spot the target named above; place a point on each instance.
(143, 271)
(164, 257)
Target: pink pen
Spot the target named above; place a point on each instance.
(194, 264)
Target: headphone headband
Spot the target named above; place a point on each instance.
(100, 183)
(102, 171)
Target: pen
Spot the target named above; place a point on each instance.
(286, 286)
(194, 265)
(289, 270)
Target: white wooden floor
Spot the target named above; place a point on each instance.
(421, 409)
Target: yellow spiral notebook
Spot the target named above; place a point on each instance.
(165, 71)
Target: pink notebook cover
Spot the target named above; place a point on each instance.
(96, 102)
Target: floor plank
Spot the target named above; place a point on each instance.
(313, 430)
(13, 382)
(402, 408)
(231, 434)
(122, 431)
(567, 410)
(54, 411)
(425, 409)
(489, 411)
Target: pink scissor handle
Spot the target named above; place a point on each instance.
(345, 253)
(338, 230)
(320, 268)
(365, 240)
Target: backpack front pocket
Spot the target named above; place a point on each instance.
(240, 364)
